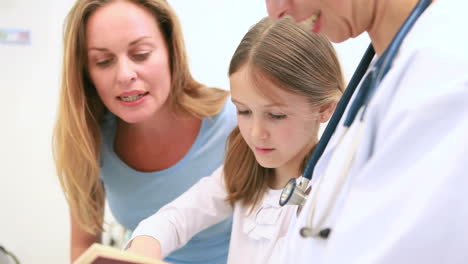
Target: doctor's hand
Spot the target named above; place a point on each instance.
(145, 246)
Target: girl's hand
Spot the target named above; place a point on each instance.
(145, 246)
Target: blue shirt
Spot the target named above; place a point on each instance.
(134, 196)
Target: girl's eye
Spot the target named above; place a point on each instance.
(104, 63)
(243, 112)
(277, 116)
(141, 56)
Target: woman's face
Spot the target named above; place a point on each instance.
(128, 61)
(339, 20)
(279, 134)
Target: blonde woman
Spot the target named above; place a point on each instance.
(285, 81)
(134, 128)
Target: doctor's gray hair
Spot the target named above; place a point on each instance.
(295, 60)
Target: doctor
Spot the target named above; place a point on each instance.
(404, 196)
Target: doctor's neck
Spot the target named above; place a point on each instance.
(388, 16)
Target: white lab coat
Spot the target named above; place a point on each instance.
(405, 198)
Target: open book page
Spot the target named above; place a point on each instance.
(100, 254)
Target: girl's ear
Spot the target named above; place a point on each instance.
(326, 111)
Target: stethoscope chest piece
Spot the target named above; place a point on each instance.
(331, 184)
(295, 194)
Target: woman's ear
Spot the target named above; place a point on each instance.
(326, 111)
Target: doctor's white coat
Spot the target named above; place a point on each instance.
(405, 198)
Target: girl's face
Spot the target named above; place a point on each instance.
(279, 135)
(339, 20)
(128, 60)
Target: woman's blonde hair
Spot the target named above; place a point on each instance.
(294, 59)
(77, 138)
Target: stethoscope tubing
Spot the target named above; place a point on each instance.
(340, 109)
(390, 53)
(363, 99)
(359, 105)
(309, 230)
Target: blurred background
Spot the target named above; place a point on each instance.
(34, 219)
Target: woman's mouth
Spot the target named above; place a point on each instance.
(132, 98)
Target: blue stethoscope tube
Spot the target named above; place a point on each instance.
(290, 189)
(340, 108)
(383, 64)
(296, 194)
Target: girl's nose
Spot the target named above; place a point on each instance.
(259, 130)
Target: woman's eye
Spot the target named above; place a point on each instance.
(141, 56)
(243, 112)
(277, 116)
(104, 63)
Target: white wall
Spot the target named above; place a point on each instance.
(33, 216)
(214, 28)
(33, 219)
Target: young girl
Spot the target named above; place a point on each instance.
(285, 81)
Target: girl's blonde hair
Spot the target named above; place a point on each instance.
(294, 59)
(77, 138)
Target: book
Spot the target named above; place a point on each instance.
(100, 254)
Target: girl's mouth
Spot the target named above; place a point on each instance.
(264, 150)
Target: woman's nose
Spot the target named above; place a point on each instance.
(125, 72)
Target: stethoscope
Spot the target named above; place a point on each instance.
(6, 253)
(297, 194)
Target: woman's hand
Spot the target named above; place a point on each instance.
(145, 246)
